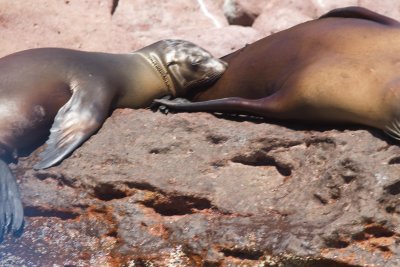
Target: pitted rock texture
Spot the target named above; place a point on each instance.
(207, 191)
(196, 189)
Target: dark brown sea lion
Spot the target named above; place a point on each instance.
(341, 68)
(72, 92)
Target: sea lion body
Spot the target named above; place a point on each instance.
(332, 69)
(36, 89)
(72, 92)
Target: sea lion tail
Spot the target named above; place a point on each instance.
(11, 210)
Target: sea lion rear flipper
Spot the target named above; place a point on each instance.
(11, 211)
(358, 12)
(74, 123)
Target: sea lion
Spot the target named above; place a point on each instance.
(74, 91)
(341, 68)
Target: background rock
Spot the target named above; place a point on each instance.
(195, 189)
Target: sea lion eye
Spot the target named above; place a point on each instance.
(196, 61)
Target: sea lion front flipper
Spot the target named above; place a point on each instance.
(270, 107)
(157, 104)
(75, 122)
(11, 211)
(229, 104)
(358, 12)
(185, 104)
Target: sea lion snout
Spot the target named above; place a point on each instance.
(223, 63)
(218, 65)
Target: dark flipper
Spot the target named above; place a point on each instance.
(186, 105)
(357, 12)
(157, 106)
(75, 122)
(276, 106)
(227, 105)
(11, 210)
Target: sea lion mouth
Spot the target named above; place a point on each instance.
(207, 80)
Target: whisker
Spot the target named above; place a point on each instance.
(393, 130)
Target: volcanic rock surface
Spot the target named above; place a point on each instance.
(197, 189)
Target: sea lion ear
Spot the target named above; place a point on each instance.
(170, 58)
(176, 72)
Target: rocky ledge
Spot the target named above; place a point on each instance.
(194, 189)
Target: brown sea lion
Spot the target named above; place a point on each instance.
(341, 68)
(72, 92)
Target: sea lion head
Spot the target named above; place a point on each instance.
(188, 65)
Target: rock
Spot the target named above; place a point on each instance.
(237, 15)
(200, 189)
(197, 189)
(89, 25)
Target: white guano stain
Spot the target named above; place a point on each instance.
(205, 11)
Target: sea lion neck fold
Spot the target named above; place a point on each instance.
(156, 62)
